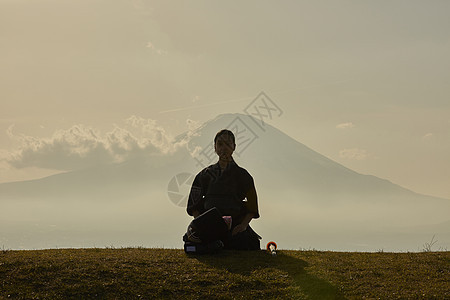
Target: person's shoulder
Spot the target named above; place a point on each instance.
(208, 169)
(242, 170)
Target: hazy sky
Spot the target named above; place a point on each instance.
(366, 83)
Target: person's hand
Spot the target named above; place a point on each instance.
(239, 228)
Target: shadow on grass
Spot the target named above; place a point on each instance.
(247, 262)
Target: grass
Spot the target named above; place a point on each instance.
(140, 273)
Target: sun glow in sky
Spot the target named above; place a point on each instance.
(366, 83)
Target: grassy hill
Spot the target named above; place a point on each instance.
(140, 273)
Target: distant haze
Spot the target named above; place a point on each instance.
(88, 86)
(306, 200)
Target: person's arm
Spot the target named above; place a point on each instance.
(244, 224)
(252, 201)
(251, 205)
(195, 200)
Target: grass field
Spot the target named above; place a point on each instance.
(141, 273)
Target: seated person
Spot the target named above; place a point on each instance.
(231, 190)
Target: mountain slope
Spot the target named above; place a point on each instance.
(284, 162)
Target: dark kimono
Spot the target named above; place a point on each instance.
(232, 191)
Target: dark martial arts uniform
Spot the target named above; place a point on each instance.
(232, 192)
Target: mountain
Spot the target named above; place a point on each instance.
(285, 162)
(306, 199)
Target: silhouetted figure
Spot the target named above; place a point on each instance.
(223, 189)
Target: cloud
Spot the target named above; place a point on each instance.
(81, 146)
(345, 125)
(427, 136)
(66, 149)
(149, 132)
(156, 50)
(354, 154)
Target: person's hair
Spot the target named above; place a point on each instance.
(226, 132)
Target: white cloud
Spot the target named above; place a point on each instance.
(82, 146)
(427, 136)
(156, 50)
(150, 133)
(345, 125)
(354, 154)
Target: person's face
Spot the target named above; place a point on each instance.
(224, 147)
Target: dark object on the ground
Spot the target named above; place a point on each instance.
(208, 227)
(209, 233)
(203, 248)
(205, 233)
(245, 240)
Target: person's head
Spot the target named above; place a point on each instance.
(224, 144)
